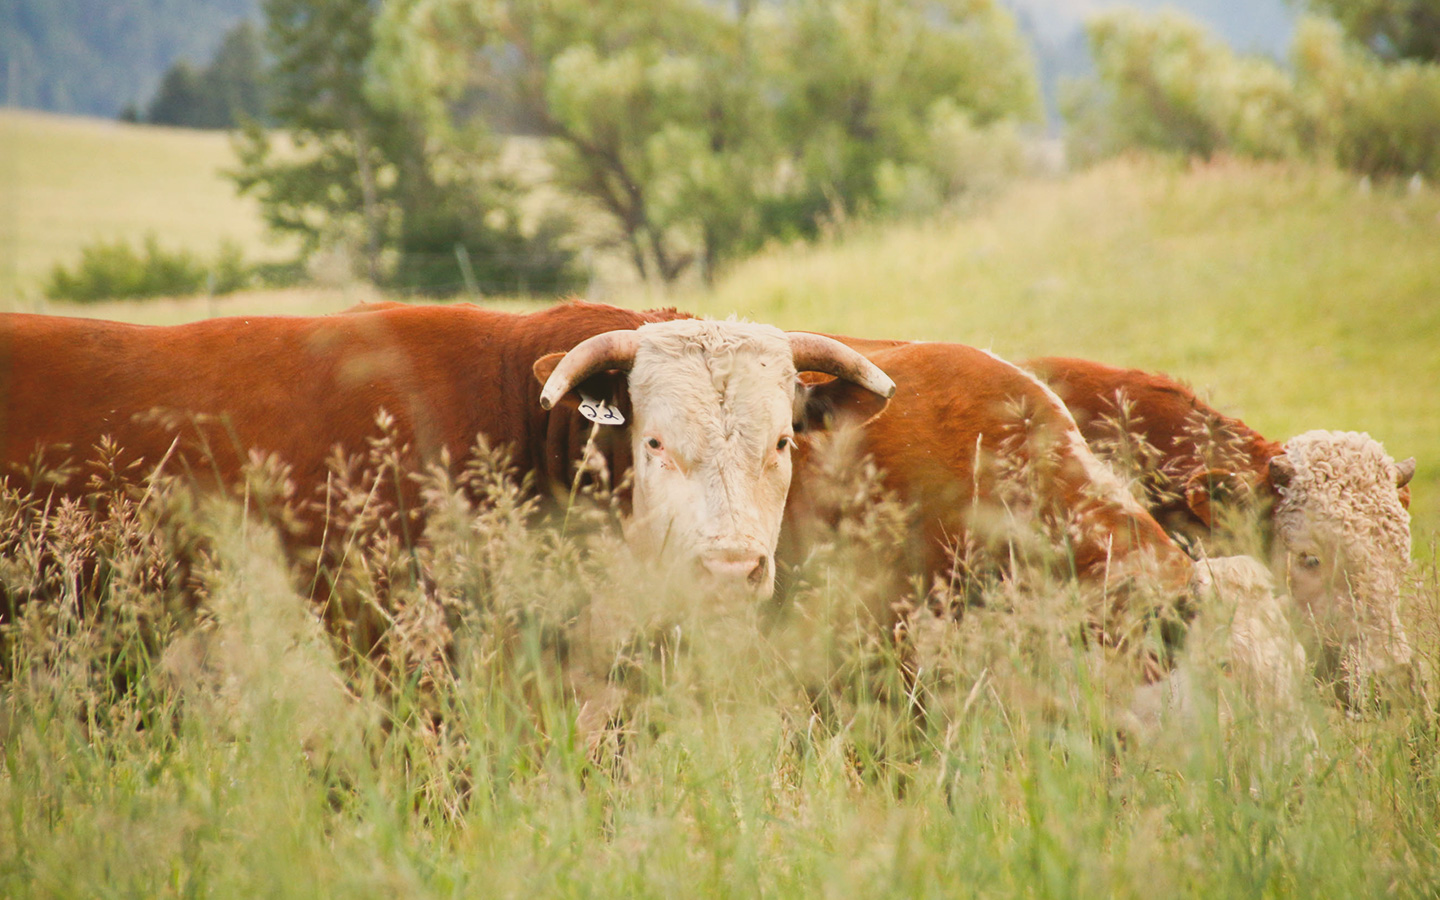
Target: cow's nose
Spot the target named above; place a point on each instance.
(737, 567)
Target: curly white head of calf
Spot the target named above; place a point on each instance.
(1342, 544)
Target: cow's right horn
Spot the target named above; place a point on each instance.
(611, 350)
(817, 353)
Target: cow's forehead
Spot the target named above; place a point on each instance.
(718, 343)
(690, 369)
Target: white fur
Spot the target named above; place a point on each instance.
(1342, 507)
(718, 396)
(1245, 627)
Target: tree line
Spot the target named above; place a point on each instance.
(1361, 90)
(696, 132)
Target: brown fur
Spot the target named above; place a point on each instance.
(296, 387)
(1204, 456)
(957, 409)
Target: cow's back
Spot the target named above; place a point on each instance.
(203, 395)
(963, 428)
(1186, 437)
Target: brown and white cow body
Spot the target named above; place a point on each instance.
(717, 398)
(963, 426)
(1332, 504)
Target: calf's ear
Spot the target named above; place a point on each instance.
(822, 401)
(1404, 471)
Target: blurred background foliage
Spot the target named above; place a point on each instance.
(484, 146)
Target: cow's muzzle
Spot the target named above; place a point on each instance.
(737, 570)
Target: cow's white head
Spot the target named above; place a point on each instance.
(713, 419)
(1342, 544)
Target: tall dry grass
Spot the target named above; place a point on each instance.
(505, 704)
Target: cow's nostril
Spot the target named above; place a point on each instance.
(736, 568)
(758, 574)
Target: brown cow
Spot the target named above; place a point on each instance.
(710, 404)
(962, 432)
(1333, 504)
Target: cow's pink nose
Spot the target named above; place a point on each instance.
(737, 567)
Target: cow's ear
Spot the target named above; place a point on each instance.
(608, 386)
(822, 401)
(545, 365)
(1207, 487)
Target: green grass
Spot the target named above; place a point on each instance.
(1293, 298)
(66, 182)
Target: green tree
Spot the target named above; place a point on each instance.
(1165, 83)
(180, 99)
(330, 187)
(704, 130)
(364, 174)
(1374, 116)
(223, 94)
(1392, 29)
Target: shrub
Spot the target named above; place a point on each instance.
(110, 270)
(1165, 83)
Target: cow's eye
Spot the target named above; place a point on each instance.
(783, 444)
(653, 443)
(1309, 561)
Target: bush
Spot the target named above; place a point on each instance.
(1165, 83)
(112, 270)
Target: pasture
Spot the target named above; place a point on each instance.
(783, 761)
(67, 182)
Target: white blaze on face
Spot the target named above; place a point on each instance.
(1342, 544)
(712, 431)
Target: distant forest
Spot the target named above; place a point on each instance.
(96, 57)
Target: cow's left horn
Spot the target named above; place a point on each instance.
(1404, 471)
(611, 350)
(817, 353)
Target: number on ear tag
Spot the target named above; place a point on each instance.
(600, 412)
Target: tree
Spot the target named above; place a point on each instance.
(317, 81)
(1163, 82)
(703, 130)
(180, 99)
(1392, 29)
(362, 173)
(223, 94)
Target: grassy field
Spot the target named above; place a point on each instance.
(771, 761)
(66, 182)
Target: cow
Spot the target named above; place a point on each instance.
(1332, 505)
(962, 432)
(709, 407)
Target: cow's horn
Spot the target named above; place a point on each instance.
(611, 350)
(817, 353)
(1404, 471)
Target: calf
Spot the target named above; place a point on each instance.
(1333, 505)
